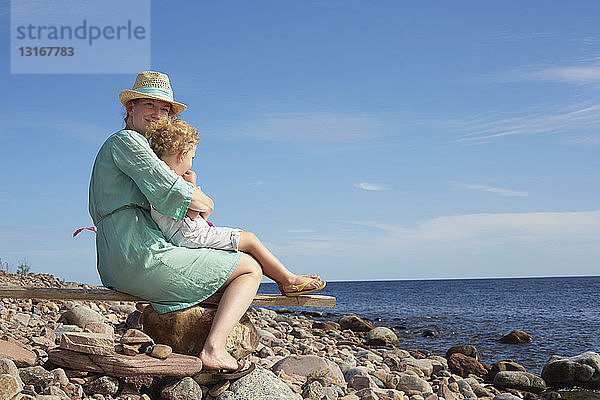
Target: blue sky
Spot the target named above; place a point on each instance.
(359, 140)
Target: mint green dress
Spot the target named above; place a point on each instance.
(132, 254)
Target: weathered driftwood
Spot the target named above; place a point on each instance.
(122, 365)
(18, 292)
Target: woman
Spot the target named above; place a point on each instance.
(132, 254)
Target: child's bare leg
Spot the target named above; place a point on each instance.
(271, 266)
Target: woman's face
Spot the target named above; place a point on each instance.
(144, 111)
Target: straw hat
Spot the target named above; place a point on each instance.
(152, 85)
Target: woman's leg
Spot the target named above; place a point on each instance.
(238, 292)
(271, 266)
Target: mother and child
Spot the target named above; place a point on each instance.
(153, 240)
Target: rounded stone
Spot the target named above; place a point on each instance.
(81, 316)
(355, 323)
(519, 380)
(8, 386)
(161, 351)
(186, 330)
(515, 337)
(467, 350)
(104, 385)
(382, 336)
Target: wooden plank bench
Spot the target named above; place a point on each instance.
(18, 292)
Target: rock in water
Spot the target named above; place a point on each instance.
(467, 350)
(515, 337)
(503, 366)
(355, 323)
(382, 336)
(519, 380)
(581, 370)
(186, 330)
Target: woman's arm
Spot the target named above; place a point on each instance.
(203, 202)
(167, 192)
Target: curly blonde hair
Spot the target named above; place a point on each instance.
(170, 136)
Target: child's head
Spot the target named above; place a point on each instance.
(174, 141)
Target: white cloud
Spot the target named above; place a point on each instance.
(376, 187)
(491, 189)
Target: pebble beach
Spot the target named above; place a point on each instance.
(297, 354)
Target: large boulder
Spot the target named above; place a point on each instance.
(463, 365)
(81, 316)
(185, 389)
(8, 367)
(409, 382)
(580, 370)
(20, 356)
(37, 376)
(186, 330)
(515, 337)
(519, 380)
(301, 367)
(9, 386)
(465, 349)
(382, 336)
(261, 384)
(355, 323)
(423, 366)
(504, 365)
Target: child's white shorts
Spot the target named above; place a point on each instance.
(195, 233)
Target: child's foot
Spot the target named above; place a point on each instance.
(302, 284)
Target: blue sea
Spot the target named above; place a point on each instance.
(561, 314)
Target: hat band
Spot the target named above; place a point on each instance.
(157, 92)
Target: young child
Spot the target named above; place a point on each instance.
(174, 141)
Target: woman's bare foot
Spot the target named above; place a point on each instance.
(216, 361)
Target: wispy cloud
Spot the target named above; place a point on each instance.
(571, 74)
(257, 184)
(573, 119)
(314, 127)
(79, 130)
(301, 230)
(491, 189)
(547, 232)
(375, 187)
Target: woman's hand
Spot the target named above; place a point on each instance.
(190, 176)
